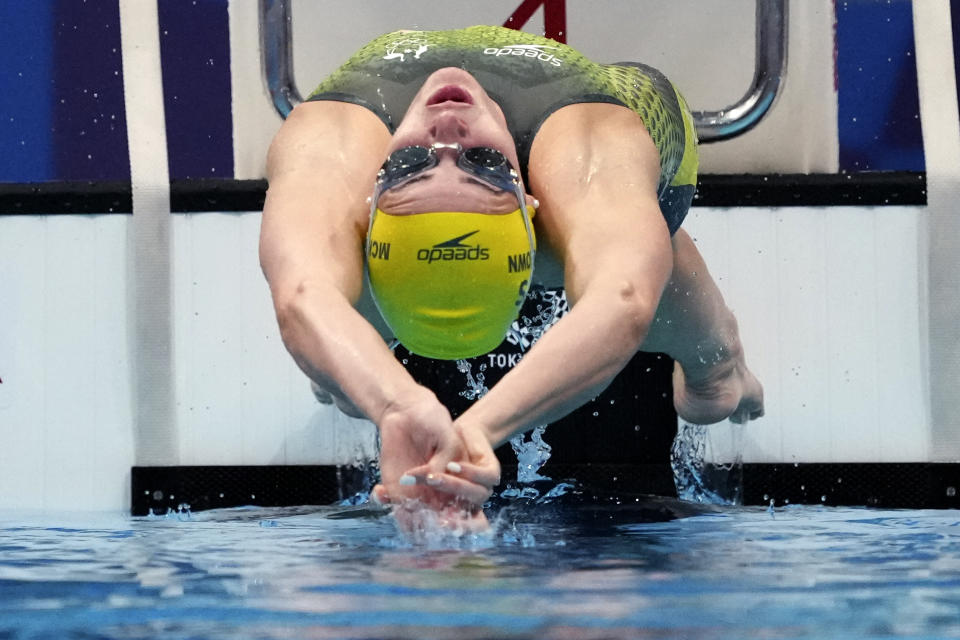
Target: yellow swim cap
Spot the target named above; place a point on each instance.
(449, 284)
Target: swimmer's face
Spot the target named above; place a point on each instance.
(451, 106)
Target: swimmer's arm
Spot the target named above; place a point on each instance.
(594, 169)
(321, 167)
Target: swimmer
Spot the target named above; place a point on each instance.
(416, 196)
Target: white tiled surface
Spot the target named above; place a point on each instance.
(829, 305)
(241, 400)
(65, 401)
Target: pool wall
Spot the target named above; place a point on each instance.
(148, 339)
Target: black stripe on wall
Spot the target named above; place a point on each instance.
(713, 190)
(65, 197)
(919, 485)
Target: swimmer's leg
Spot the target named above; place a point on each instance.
(693, 325)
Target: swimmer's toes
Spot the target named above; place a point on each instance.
(750, 408)
(735, 394)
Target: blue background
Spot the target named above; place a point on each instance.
(878, 105)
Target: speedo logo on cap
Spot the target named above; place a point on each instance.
(454, 249)
(527, 51)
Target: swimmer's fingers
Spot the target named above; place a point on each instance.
(463, 490)
(448, 483)
(471, 492)
(322, 395)
(379, 495)
(482, 466)
(483, 474)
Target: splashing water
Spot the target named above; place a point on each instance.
(421, 526)
(531, 454)
(550, 306)
(476, 389)
(364, 474)
(699, 481)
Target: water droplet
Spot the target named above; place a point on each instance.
(951, 492)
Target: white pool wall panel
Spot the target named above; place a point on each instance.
(828, 301)
(150, 291)
(240, 398)
(65, 402)
(941, 133)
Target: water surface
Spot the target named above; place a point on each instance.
(587, 570)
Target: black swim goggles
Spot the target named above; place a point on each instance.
(484, 163)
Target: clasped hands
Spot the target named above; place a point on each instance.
(428, 460)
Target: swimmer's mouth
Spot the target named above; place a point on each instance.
(450, 93)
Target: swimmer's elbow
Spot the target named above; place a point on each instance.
(635, 309)
(297, 306)
(290, 306)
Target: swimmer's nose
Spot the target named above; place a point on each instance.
(448, 127)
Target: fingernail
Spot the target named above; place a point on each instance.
(454, 467)
(433, 480)
(407, 481)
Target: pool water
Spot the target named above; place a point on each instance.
(609, 569)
